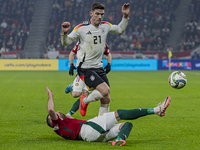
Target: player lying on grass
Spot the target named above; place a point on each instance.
(78, 87)
(102, 128)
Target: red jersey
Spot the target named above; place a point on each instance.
(67, 128)
(106, 52)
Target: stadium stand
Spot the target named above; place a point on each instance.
(191, 33)
(153, 26)
(15, 19)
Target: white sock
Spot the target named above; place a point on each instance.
(156, 109)
(94, 96)
(104, 108)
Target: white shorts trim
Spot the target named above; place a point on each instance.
(78, 85)
(106, 121)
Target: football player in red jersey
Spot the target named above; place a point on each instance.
(102, 128)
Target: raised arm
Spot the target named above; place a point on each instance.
(125, 10)
(120, 28)
(65, 38)
(50, 105)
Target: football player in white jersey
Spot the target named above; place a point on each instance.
(78, 87)
(92, 35)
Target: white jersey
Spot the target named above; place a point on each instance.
(92, 41)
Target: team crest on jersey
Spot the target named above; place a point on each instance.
(56, 127)
(103, 30)
(77, 84)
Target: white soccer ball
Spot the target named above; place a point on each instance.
(177, 79)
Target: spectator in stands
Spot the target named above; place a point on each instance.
(4, 24)
(181, 48)
(195, 55)
(4, 48)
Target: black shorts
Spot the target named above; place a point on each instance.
(93, 77)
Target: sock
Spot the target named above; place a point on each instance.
(104, 108)
(130, 114)
(153, 110)
(156, 109)
(74, 108)
(94, 96)
(125, 131)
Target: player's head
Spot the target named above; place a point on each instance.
(97, 6)
(97, 13)
(49, 121)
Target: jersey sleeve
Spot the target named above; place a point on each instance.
(120, 28)
(68, 39)
(75, 48)
(106, 52)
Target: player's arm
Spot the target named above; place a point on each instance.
(50, 105)
(65, 38)
(120, 28)
(107, 68)
(71, 57)
(109, 58)
(125, 10)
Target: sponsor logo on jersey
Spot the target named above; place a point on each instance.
(77, 84)
(56, 127)
(88, 32)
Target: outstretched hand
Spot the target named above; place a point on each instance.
(49, 92)
(66, 27)
(125, 10)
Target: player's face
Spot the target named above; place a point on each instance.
(97, 16)
(61, 115)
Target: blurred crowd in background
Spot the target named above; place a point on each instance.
(15, 19)
(148, 29)
(191, 33)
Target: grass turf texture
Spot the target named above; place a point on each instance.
(24, 109)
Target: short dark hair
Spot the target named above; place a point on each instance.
(97, 6)
(48, 122)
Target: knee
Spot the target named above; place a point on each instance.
(128, 125)
(76, 94)
(85, 92)
(108, 99)
(105, 100)
(105, 92)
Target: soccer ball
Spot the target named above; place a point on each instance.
(177, 79)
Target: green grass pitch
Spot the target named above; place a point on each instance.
(23, 110)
